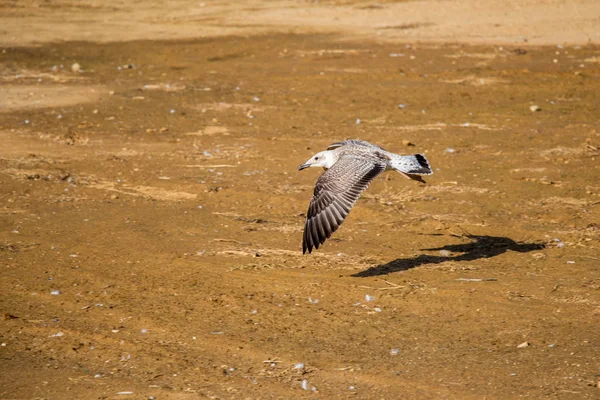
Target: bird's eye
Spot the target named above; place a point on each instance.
(316, 158)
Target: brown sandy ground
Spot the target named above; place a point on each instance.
(539, 22)
(151, 217)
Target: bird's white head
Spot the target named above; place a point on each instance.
(323, 159)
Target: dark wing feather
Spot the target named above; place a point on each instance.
(336, 145)
(335, 193)
(356, 142)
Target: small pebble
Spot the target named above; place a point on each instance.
(299, 366)
(313, 301)
(401, 106)
(535, 108)
(445, 253)
(561, 244)
(255, 98)
(58, 334)
(304, 384)
(523, 345)
(369, 298)
(552, 345)
(570, 262)
(97, 376)
(449, 150)
(75, 67)
(172, 111)
(394, 352)
(55, 292)
(357, 121)
(27, 122)
(144, 331)
(377, 309)
(351, 388)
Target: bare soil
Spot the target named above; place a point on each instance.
(151, 212)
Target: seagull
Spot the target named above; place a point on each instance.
(350, 166)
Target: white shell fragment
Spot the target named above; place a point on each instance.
(304, 385)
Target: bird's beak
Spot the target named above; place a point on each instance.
(303, 166)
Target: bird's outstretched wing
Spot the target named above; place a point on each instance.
(335, 193)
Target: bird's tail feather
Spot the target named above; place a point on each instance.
(412, 167)
(415, 164)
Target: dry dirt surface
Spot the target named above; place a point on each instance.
(151, 212)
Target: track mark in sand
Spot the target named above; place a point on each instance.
(440, 125)
(26, 97)
(209, 166)
(348, 70)
(529, 170)
(568, 151)
(413, 25)
(166, 87)
(209, 131)
(276, 258)
(260, 224)
(18, 246)
(473, 80)
(592, 59)
(23, 75)
(94, 182)
(145, 191)
(481, 56)
(458, 189)
(323, 52)
(561, 201)
(221, 106)
(8, 211)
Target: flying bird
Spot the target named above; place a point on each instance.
(350, 166)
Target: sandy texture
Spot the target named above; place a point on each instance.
(151, 212)
(470, 21)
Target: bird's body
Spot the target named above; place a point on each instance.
(350, 167)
